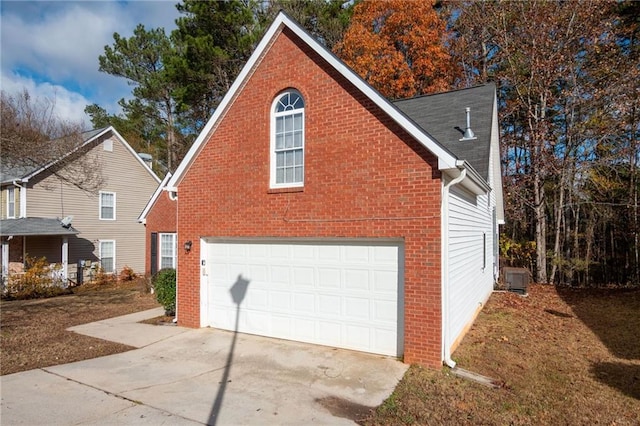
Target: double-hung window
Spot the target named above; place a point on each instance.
(287, 141)
(168, 251)
(11, 202)
(107, 205)
(108, 256)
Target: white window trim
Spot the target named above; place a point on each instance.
(175, 249)
(100, 206)
(272, 145)
(11, 193)
(100, 242)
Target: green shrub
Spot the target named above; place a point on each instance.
(40, 279)
(164, 284)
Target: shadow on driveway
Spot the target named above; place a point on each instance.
(238, 292)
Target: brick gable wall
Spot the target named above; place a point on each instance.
(364, 178)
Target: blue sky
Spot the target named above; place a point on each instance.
(51, 48)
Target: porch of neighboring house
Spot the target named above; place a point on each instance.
(36, 238)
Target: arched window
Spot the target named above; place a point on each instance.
(287, 141)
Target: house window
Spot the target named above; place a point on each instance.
(287, 142)
(107, 145)
(107, 205)
(108, 256)
(11, 202)
(168, 251)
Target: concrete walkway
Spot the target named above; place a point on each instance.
(182, 376)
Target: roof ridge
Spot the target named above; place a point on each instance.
(426, 95)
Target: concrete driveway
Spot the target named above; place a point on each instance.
(182, 376)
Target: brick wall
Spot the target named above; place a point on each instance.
(364, 178)
(161, 218)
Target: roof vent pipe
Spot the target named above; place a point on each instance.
(468, 133)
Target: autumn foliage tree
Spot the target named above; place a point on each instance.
(398, 47)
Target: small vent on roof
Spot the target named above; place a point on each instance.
(468, 133)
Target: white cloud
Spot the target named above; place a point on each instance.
(53, 46)
(69, 105)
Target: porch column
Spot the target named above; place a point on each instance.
(5, 258)
(65, 258)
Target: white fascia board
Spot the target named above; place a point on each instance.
(446, 160)
(496, 166)
(198, 144)
(143, 216)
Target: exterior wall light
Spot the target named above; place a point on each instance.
(187, 246)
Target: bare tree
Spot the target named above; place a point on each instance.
(32, 136)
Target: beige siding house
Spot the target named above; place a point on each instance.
(91, 228)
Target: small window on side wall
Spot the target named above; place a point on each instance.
(108, 256)
(168, 251)
(107, 205)
(287, 140)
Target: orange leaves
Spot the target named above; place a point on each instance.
(398, 47)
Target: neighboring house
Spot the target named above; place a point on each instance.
(159, 218)
(316, 210)
(45, 216)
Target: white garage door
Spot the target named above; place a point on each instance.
(347, 295)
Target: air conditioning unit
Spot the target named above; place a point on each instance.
(516, 279)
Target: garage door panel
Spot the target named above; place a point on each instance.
(357, 336)
(385, 311)
(356, 280)
(281, 326)
(329, 278)
(329, 332)
(257, 299)
(356, 308)
(303, 328)
(280, 301)
(279, 275)
(303, 277)
(385, 255)
(327, 253)
(385, 282)
(303, 303)
(329, 305)
(343, 295)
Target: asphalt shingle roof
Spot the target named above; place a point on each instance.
(10, 171)
(443, 117)
(26, 226)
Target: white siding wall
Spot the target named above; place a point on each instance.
(470, 284)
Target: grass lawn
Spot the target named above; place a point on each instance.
(33, 332)
(562, 357)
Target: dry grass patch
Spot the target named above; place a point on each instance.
(33, 332)
(563, 356)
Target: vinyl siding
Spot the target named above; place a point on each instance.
(470, 278)
(133, 185)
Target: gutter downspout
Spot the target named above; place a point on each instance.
(446, 353)
(173, 196)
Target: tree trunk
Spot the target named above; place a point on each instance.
(559, 208)
(541, 230)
